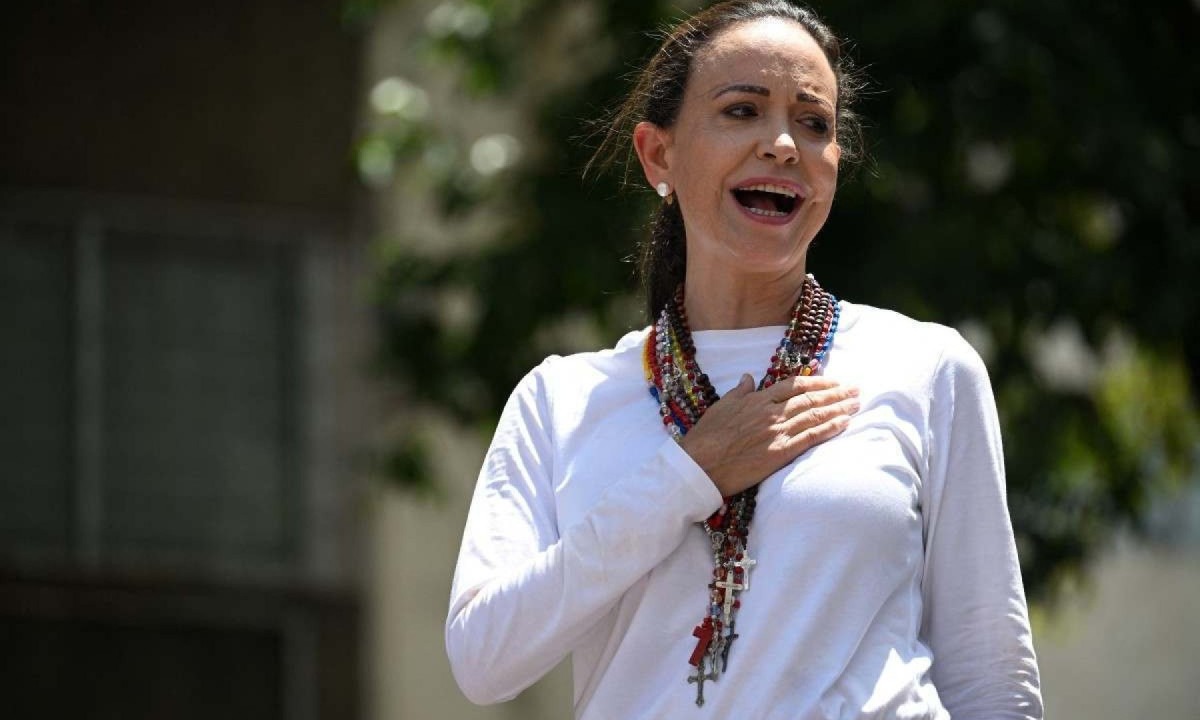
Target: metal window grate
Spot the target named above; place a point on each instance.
(35, 387)
(196, 432)
(151, 374)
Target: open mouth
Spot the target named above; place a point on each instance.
(767, 200)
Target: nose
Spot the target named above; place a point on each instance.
(782, 149)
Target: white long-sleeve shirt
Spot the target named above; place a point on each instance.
(887, 583)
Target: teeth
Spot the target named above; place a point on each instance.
(767, 213)
(777, 189)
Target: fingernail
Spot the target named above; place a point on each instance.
(854, 392)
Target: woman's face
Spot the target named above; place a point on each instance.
(752, 155)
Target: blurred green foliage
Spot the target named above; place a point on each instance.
(1033, 182)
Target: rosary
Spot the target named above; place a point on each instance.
(683, 393)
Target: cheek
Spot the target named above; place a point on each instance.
(700, 176)
(708, 149)
(833, 170)
(825, 171)
(833, 155)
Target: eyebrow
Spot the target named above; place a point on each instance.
(802, 96)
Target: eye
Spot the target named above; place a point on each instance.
(816, 123)
(741, 110)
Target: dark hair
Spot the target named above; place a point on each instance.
(658, 93)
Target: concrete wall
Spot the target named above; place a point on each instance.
(1127, 646)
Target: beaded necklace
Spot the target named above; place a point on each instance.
(683, 393)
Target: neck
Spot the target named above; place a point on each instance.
(719, 301)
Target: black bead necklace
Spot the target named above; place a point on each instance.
(683, 393)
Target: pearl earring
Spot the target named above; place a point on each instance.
(664, 191)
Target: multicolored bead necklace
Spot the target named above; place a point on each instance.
(683, 393)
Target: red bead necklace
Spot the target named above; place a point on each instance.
(683, 393)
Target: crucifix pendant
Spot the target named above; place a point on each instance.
(704, 634)
(728, 586)
(699, 679)
(726, 642)
(744, 563)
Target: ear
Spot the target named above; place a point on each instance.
(651, 143)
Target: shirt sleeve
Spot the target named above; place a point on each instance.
(526, 591)
(974, 613)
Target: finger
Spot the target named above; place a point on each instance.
(821, 415)
(818, 434)
(818, 398)
(745, 386)
(797, 384)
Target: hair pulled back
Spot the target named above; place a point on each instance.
(657, 95)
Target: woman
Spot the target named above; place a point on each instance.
(854, 556)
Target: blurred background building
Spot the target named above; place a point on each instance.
(231, 234)
(183, 370)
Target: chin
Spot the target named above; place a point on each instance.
(771, 265)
